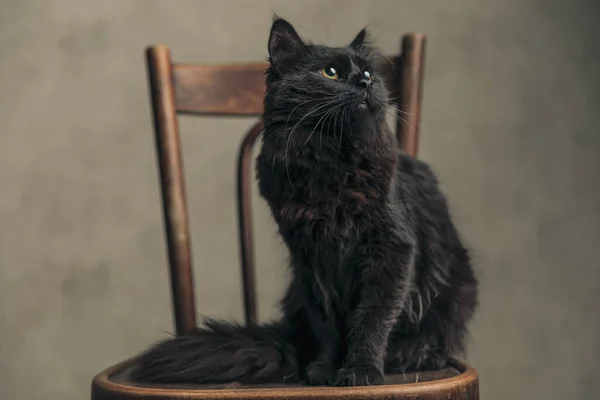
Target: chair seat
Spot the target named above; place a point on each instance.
(458, 381)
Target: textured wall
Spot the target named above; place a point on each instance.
(510, 124)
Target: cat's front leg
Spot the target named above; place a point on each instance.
(318, 314)
(321, 371)
(386, 270)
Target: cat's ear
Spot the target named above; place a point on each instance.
(361, 39)
(283, 41)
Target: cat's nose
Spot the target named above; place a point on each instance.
(365, 83)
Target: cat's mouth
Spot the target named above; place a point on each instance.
(364, 103)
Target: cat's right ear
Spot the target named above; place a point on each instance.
(283, 42)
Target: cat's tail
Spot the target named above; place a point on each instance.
(221, 353)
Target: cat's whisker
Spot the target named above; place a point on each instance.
(317, 125)
(350, 125)
(341, 127)
(328, 125)
(327, 130)
(337, 114)
(287, 146)
(407, 123)
(335, 118)
(443, 120)
(322, 126)
(295, 108)
(399, 110)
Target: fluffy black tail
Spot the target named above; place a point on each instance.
(221, 353)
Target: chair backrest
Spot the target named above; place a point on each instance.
(238, 90)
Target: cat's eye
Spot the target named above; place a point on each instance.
(368, 74)
(330, 72)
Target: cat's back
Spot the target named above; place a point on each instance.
(418, 189)
(415, 178)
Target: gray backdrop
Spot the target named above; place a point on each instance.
(510, 125)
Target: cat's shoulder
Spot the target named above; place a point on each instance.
(411, 168)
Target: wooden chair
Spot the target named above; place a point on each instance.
(238, 90)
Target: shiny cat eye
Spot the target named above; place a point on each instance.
(330, 72)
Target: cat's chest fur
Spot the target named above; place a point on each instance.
(326, 199)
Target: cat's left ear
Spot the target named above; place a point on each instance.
(360, 40)
(283, 41)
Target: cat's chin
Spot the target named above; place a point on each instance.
(366, 108)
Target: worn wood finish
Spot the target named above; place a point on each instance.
(175, 212)
(460, 383)
(232, 89)
(410, 92)
(237, 89)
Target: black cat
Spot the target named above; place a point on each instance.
(380, 279)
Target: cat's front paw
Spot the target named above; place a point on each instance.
(359, 375)
(319, 373)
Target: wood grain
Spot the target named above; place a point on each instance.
(175, 213)
(237, 89)
(232, 89)
(409, 89)
(112, 384)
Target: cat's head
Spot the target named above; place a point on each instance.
(310, 84)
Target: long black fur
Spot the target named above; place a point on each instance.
(380, 279)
